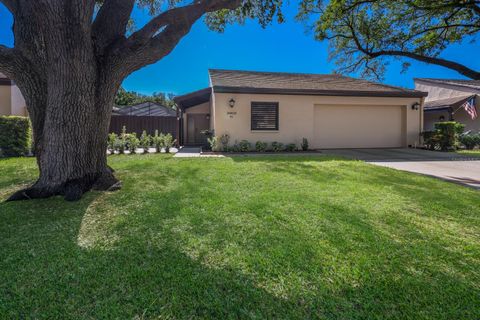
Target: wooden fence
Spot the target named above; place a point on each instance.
(139, 123)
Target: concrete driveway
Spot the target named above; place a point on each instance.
(452, 167)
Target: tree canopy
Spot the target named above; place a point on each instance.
(127, 98)
(364, 34)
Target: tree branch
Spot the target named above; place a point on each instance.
(111, 22)
(10, 4)
(460, 68)
(188, 14)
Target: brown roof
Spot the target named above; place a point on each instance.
(473, 84)
(447, 103)
(233, 81)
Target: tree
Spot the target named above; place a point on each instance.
(69, 59)
(127, 98)
(364, 34)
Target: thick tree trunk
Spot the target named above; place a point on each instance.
(70, 113)
(71, 153)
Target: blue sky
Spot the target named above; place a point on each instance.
(280, 47)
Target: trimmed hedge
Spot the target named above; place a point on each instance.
(15, 136)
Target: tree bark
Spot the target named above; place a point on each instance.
(70, 108)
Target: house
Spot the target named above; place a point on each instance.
(12, 102)
(149, 109)
(446, 99)
(331, 111)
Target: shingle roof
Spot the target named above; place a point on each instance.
(446, 103)
(145, 109)
(474, 84)
(233, 81)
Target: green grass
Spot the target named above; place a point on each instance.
(242, 237)
(472, 153)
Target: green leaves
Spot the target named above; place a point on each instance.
(361, 31)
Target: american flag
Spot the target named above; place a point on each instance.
(469, 106)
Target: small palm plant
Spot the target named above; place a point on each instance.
(145, 140)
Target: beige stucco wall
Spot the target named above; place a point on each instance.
(296, 116)
(19, 107)
(5, 100)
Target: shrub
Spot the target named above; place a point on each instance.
(213, 142)
(168, 142)
(111, 142)
(122, 141)
(15, 136)
(157, 141)
(470, 141)
(132, 142)
(145, 141)
(224, 140)
(261, 146)
(291, 147)
(277, 146)
(448, 134)
(431, 140)
(304, 144)
(244, 146)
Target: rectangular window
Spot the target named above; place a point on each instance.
(264, 115)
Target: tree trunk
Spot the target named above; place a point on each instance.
(70, 114)
(71, 153)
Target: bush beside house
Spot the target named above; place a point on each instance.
(445, 137)
(15, 136)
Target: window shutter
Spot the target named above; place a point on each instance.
(264, 116)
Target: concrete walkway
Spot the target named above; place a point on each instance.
(452, 167)
(188, 152)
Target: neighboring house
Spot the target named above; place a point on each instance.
(446, 99)
(331, 111)
(150, 109)
(11, 100)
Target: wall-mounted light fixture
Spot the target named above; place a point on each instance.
(416, 106)
(231, 103)
(441, 118)
(207, 116)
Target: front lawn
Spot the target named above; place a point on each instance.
(472, 153)
(243, 237)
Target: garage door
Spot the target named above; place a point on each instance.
(358, 126)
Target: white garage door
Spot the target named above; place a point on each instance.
(358, 126)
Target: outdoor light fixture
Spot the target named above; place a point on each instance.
(231, 103)
(207, 116)
(415, 106)
(442, 118)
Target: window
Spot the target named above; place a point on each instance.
(264, 115)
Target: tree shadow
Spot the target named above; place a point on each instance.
(194, 243)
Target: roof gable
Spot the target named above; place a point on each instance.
(471, 84)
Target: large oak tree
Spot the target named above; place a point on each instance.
(364, 34)
(70, 58)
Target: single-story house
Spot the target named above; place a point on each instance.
(331, 111)
(446, 100)
(12, 102)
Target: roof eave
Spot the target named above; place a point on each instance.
(392, 94)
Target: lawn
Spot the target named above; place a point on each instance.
(473, 153)
(242, 237)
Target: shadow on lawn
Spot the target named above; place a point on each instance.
(174, 249)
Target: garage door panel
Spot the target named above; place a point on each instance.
(358, 126)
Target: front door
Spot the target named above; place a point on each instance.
(196, 123)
